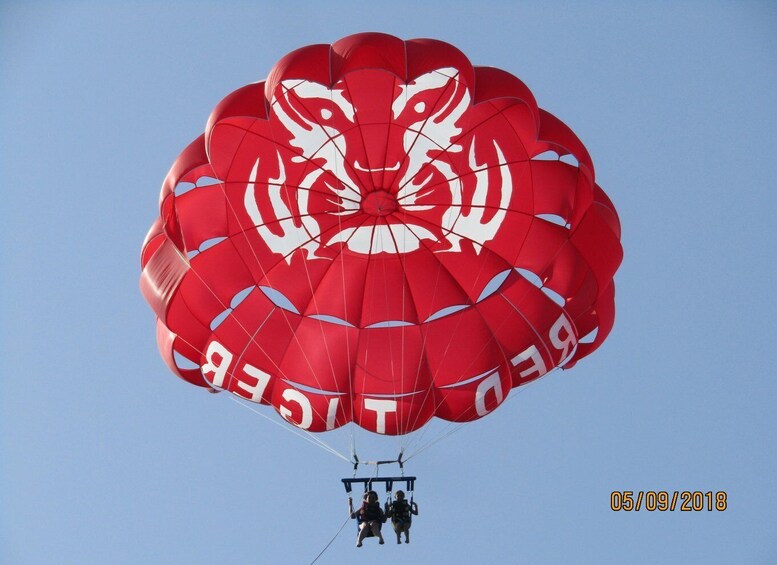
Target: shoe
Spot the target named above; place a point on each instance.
(381, 542)
(358, 544)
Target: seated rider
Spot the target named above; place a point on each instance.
(401, 513)
(370, 517)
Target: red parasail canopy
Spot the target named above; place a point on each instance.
(381, 233)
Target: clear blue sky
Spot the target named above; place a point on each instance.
(107, 458)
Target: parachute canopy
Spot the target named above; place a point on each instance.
(381, 233)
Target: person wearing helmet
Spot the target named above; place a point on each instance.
(401, 513)
(370, 517)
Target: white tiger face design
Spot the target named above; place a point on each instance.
(377, 174)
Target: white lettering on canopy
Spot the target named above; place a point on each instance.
(568, 342)
(219, 370)
(381, 407)
(529, 362)
(537, 366)
(491, 382)
(299, 398)
(561, 336)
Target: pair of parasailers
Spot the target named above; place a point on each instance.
(371, 516)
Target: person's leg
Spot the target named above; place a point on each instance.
(398, 530)
(363, 529)
(375, 525)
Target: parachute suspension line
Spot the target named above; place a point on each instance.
(331, 541)
(419, 134)
(303, 434)
(405, 285)
(441, 267)
(351, 427)
(315, 305)
(264, 273)
(310, 284)
(415, 437)
(383, 246)
(438, 438)
(458, 426)
(354, 457)
(369, 262)
(442, 434)
(402, 444)
(525, 319)
(252, 339)
(420, 131)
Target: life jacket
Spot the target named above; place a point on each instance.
(400, 511)
(370, 512)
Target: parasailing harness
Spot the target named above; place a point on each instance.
(368, 482)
